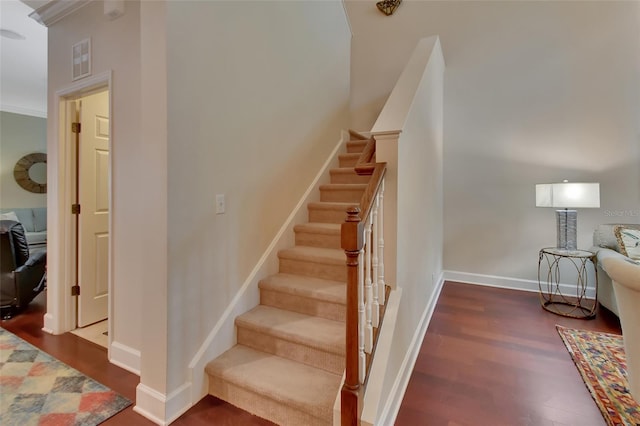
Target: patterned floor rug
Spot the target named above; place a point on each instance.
(37, 389)
(601, 362)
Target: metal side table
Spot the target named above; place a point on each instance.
(551, 296)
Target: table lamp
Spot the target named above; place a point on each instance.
(567, 195)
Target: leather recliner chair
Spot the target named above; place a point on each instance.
(22, 274)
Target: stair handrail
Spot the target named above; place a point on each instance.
(363, 242)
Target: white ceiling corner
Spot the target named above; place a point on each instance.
(23, 63)
(48, 12)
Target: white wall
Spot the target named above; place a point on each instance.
(19, 135)
(115, 45)
(418, 95)
(208, 97)
(534, 92)
(153, 398)
(257, 95)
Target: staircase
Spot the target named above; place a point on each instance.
(290, 357)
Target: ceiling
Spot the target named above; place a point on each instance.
(23, 63)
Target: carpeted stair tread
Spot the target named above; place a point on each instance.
(347, 175)
(316, 234)
(316, 288)
(307, 330)
(326, 205)
(344, 186)
(289, 383)
(348, 160)
(314, 254)
(309, 295)
(319, 262)
(342, 192)
(319, 228)
(356, 145)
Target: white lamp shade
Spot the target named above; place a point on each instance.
(568, 195)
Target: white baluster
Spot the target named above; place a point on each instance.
(368, 337)
(375, 309)
(362, 358)
(381, 283)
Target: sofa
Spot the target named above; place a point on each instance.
(626, 283)
(606, 246)
(34, 221)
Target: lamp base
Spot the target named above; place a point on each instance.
(567, 223)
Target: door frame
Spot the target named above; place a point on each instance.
(61, 307)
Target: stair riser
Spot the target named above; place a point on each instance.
(314, 269)
(349, 178)
(311, 239)
(341, 196)
(303, 305)
(262, 406)
(327, 216)
(333, 363)
(347, 160)
(356, 147)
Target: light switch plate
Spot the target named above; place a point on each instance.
(220, 204)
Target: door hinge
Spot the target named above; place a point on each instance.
(76, 127)
(75, 290)
(75, 208)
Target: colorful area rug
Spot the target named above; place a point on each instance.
(601, 362)
(37, 389)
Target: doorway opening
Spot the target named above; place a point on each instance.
(80, 294)
(90, 131)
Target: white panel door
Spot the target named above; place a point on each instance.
(93, 250)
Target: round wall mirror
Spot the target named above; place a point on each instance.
(30, 172)
(38, 173)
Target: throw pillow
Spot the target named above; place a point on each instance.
(629, 240)
(9, 216)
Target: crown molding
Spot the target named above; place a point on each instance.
(55, 10)
(15, 109)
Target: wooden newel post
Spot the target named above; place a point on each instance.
(352, 244)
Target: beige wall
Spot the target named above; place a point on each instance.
(115, 46)
(19, 135)
(239, 99)
(534, 92)
(258, 93)
(416, 109)
(153, 156)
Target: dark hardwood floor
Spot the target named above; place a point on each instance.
(490, 357)
(493, 357)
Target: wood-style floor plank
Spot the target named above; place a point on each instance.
(493, 357)
(490, 357)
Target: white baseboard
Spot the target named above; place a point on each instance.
(49, 323)
(509, 283)
(157, 407)
(390, 411)
(178, 402)
(150, 404)
(222, 337)
(125, 357)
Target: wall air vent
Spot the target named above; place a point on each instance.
(81, 59)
